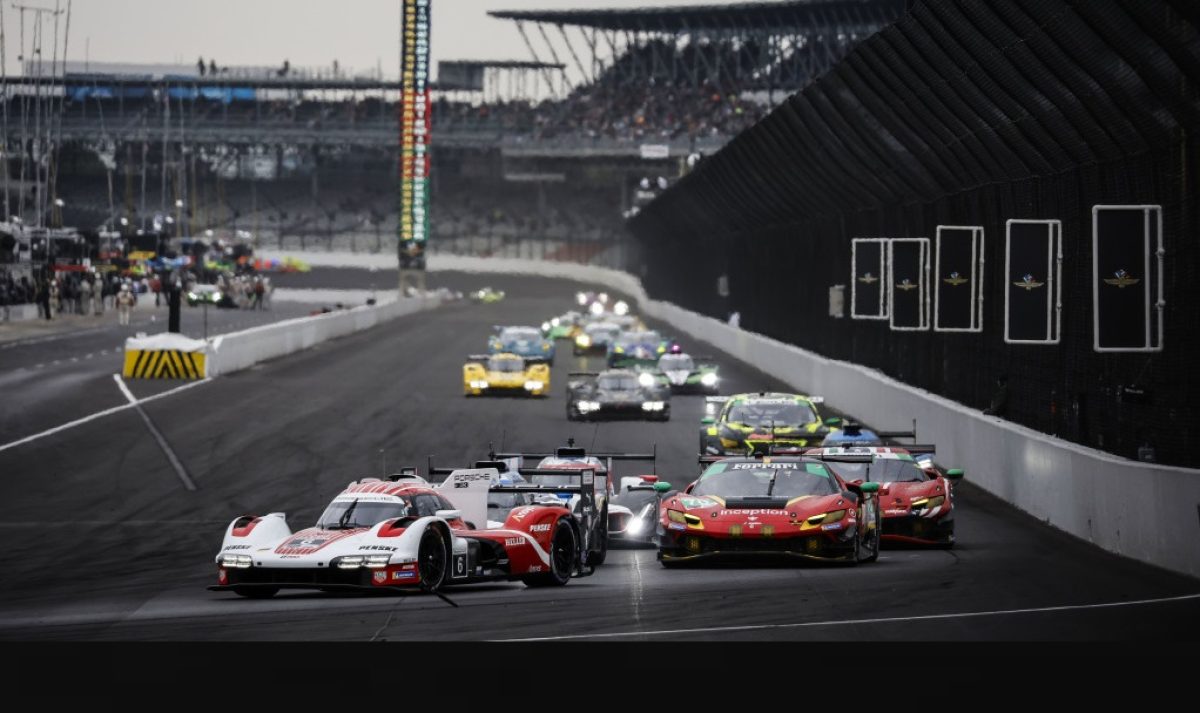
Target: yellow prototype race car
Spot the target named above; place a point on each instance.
(504, 373)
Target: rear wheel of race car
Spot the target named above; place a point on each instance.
(562, 558)
(256, 592)
(869, 552)
(599, 558)
(432, 559)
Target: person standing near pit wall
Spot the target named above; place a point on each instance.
(125, 303)
(98, 295)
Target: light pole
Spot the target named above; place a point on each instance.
(178, 216)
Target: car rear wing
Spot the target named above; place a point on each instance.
(573, 452)
(583, 373)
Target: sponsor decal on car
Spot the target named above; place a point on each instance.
(676, 526)
(545, 527)
(404, 575)
(382, 548)
(765, 466)
(751, 512)
(379, 576)
(513, 541)
(236, 547)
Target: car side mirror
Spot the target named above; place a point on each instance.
(707, 421)
(834, 421)
(864, 488)
(955, 473)
(448, 514)
(661, 487)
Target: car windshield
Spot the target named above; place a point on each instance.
(506, 365)
(762, 480)
(765, 413)
(881, 470)
(676, 362)
(347, 514)
(513, 334)
(619, 383)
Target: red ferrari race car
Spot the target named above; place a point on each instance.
(915, 495)
(406, 532)
(781, 506)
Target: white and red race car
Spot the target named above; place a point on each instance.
(406, 532)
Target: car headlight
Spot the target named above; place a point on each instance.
(646, 378)
(596, 308)
(479, 384)
(546, 326)
(545, 346)
(585, 406)
(652, 406)
(191, 295)
(583, 340)
(533, 385)
(826, 517)
(376, 561)
(603, 297)
(676, 516)
(728, 442)
(635, 526)
(235, 561)
(580, 299)
(709, 379)
(621, 308)
(619, 350)
(350, 562)
(555, 322)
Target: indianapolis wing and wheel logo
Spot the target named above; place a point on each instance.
(868, 279)
(955, 279)
(906, 285)
(1028, 283)
(1121, 279)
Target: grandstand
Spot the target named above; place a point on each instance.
(300, 157)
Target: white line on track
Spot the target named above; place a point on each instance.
(159, 438)
(853, 622)
(99, 414)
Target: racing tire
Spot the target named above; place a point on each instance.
(433, 562)
(256, 592)
(562, 557)
(877, 540)
(603, 554)
(671, 564)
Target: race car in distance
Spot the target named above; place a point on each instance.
(915, 496)
(615, 394)
(522, 341)
(509, 374)
(640, 348)
(207, 294)
(784, 506)
(564, 326)
(599, 303)
(487, 295)
(403, 532)
(595, 337)
(761, 423)
(852, 433)
(683, 374)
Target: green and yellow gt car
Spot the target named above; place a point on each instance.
(759, 423)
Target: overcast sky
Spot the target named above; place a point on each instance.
(360, 34)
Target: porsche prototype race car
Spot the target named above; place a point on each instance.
(505, 374)
(487, 295)
(522, 341)
(637, 349)
(564, 326)
(615, 394)
(683, 374)
(761, 423)
(406, 532)
(781, 506)
(595, 337)
(915, 495)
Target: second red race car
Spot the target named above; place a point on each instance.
(916, 496)
(770, 506)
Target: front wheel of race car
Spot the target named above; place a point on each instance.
(432, 559)
(256, 592)
(562, 558)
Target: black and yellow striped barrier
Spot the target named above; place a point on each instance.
(163, 364)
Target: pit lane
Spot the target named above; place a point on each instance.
(100, 541)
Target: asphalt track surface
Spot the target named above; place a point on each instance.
(101, 541)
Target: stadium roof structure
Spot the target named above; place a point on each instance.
(782, 16)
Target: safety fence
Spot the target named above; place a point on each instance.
(1045, 150)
